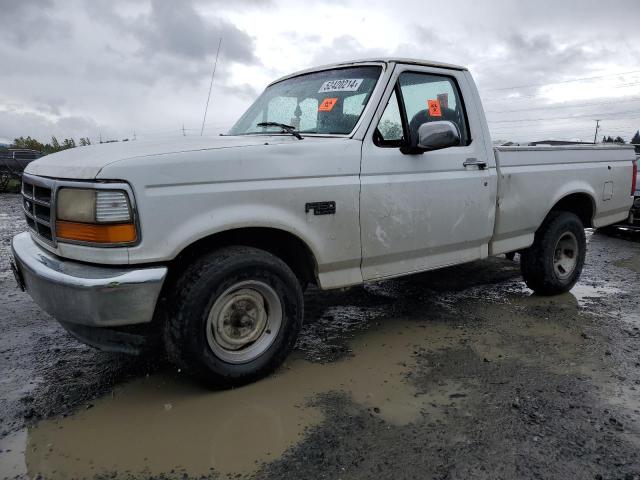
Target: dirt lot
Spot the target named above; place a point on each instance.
(455, 374)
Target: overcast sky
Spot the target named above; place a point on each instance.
(75, 68)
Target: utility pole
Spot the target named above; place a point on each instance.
(215, 64)
(184, 134)
(134, 133)
(595, 136)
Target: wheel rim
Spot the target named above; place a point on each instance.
(244, 321)
(565, 255)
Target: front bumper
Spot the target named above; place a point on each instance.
(84, 294)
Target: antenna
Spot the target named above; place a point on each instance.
(215, 64)
(595, 136)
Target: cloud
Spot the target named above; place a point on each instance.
(343, 48)
(180, 30)
(78, 68)
(29, 21)
(521, 59)
(244, 91)
(184, 32)
(14, 124)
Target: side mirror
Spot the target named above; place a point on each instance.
(437, 135)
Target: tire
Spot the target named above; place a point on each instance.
(233, 316)
(553, 264)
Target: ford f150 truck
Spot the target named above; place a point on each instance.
(337, 175)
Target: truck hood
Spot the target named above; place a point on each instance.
(87, 162)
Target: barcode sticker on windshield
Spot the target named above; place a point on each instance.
(343, 85)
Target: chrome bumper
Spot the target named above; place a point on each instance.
(83, 294)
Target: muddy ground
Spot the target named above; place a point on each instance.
(455, 374)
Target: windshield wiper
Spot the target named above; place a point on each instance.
(287, 128)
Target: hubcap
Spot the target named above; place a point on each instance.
(565, 256)
(244, 321)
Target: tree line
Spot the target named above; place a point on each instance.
(54, 145)
(389, 129)
(635, 140)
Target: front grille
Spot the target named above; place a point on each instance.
(36, 202)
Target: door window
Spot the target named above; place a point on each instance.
(426, 98)
(389, 132)
(430, 98)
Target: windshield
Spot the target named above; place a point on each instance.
(326, 102)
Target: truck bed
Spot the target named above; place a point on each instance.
(548, 174)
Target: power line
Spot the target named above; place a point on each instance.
(556, 107)
(549, 131)
(535, 95)
(566, 123)
(560, 81)
(586, 131)
(604, 125)
(565, 118)
(609, 125)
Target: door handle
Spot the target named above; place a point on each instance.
(474, 162)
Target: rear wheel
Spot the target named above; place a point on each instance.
(234, 316)
(553, 264)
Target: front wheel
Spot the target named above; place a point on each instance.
(234, 316)
(553, 264)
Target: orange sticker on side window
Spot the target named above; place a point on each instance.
(327, 104)
(434, 108)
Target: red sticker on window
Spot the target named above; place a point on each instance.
(327, 104)
(434, 108)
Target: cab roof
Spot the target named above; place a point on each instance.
(385, 60)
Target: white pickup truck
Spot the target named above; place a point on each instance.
(336, 175)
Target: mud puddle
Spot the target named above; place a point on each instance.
(161, 424)
(632, 263)
(535, 330)
(586, 293)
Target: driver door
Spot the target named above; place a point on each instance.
(424, 211)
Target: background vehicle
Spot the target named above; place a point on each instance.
(13, 162)
(632, 222)
(337, 175)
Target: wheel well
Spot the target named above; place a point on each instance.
(581, 204)
(286, 246)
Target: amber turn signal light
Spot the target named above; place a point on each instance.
(96, 233)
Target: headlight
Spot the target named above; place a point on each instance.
(94, 216)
